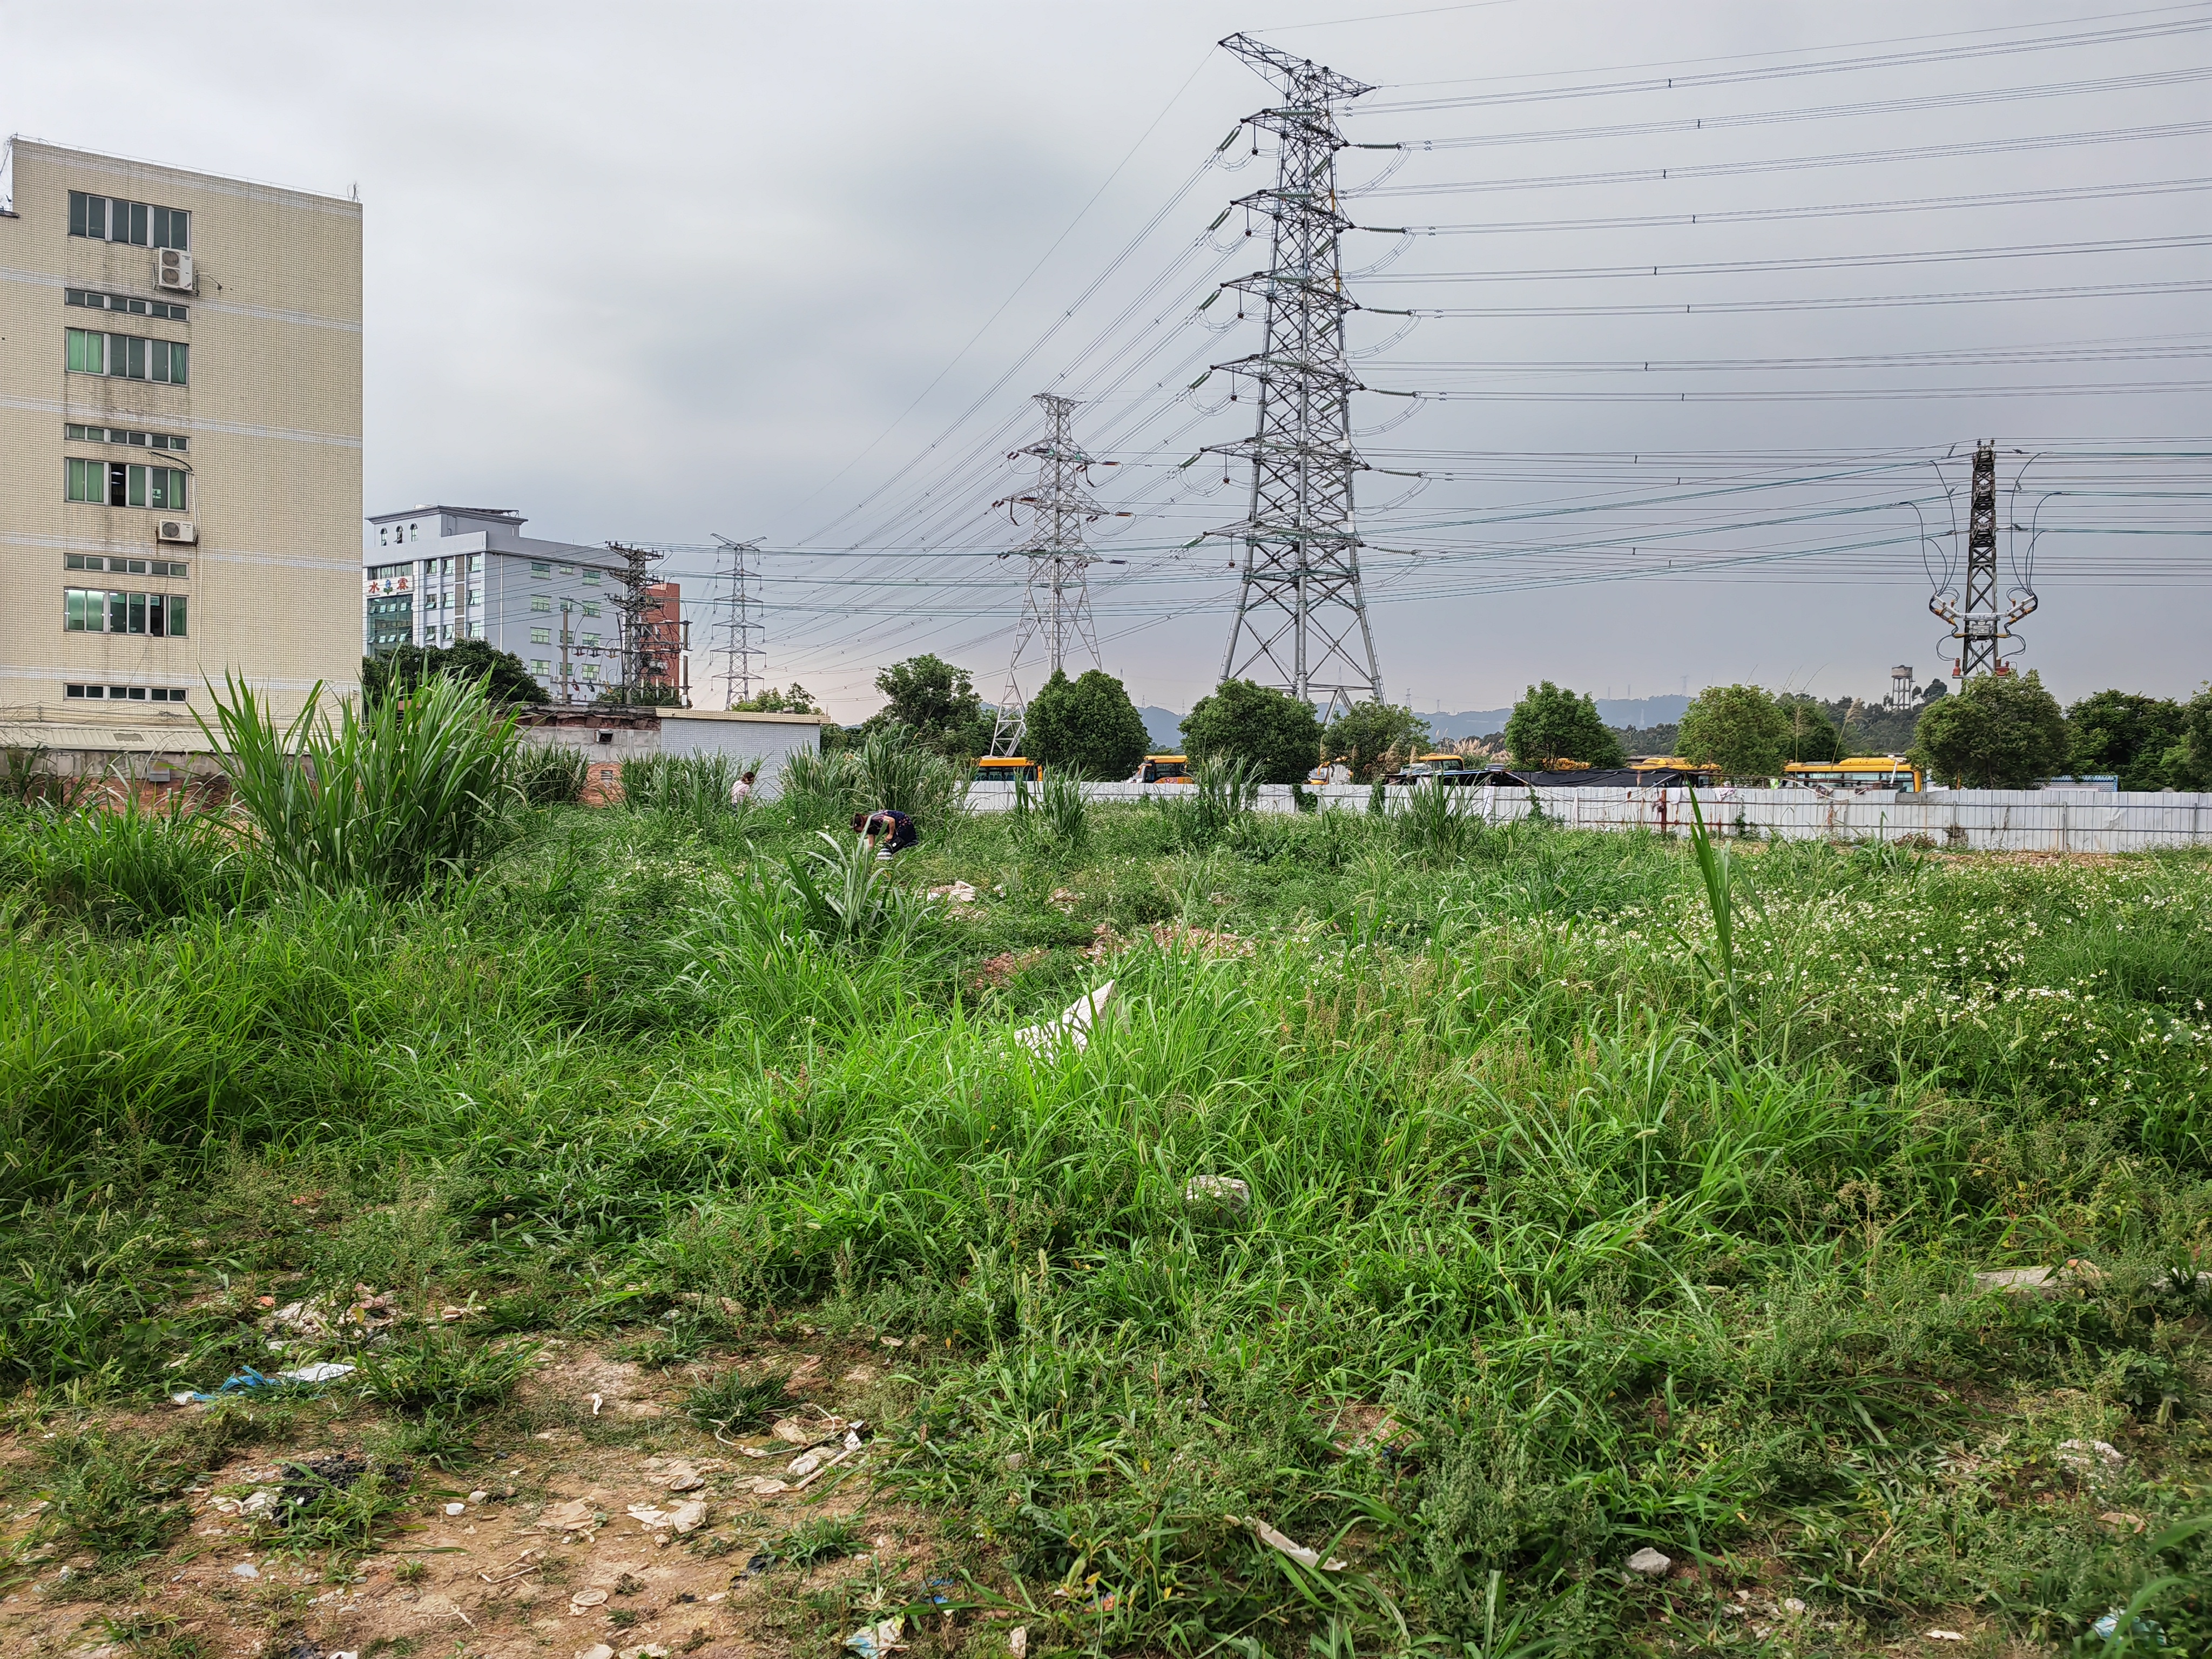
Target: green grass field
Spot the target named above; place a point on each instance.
(1569, 1227)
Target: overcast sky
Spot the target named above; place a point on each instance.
(659, 271)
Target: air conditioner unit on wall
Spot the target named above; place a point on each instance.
(173, 268)
(176, 530)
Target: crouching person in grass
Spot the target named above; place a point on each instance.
(888, 831)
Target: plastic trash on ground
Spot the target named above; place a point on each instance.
(1074, 1027)
(873, 1640)
(304, 1377)
(1297, 1552)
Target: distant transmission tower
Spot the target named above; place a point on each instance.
(1301, 621)
(1978, 626)
(736, 629)
(648, 634)
(1056, 598)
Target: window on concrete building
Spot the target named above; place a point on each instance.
(106, 611)
(540, 667)
(122, 566)
(541, 637)
(116, 434)
(105, 219)
(592, 577)
(134, 693)
(126, 356)
(541, 601)
(592, 639)
(540, 568)
(117, 484)
(591, 607)
(129, 305)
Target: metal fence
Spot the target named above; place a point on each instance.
(1981, 820)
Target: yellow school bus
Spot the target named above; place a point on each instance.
(1699, 773)
(1859, 772)
(1164, 769)
(1007, 769)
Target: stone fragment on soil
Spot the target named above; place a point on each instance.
(2038, 1283)
(576, 1515)
(1226, 1190)
(1648, 1563)
(2091, 1457)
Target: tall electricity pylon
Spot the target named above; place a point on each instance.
(736, 619)
(1056, 598)
(1301, 621)
(1978, 626)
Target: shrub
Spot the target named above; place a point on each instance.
(551, 774)
(390, 798)
(130, 864)
(694, 788)
(734, 1402)
(1438, 822)
(1220, 797)
(439, 1369)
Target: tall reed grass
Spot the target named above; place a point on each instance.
(405, 792)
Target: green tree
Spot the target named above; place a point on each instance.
(2124, 733)
(1087, 727)
(1272, 729)
(1811, 735)
(937, 705)
(1364, 737)
(506, 680)
(1738, 728)
(1999, 732)
(1551, 724)
(797, 701)
(2187, 763)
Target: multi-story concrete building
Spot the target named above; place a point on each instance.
(181, 420)
(433, 575)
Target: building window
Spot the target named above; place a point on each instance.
(568, 570)
(541, 601)
(591, 607)
(103, 610)
(133, 693)
(540, 568)
(413, 533)
(592, 577)
(116, 434)
(119, 483)
(105, 219)
(125, 304)
(122, 567)
(126, 356)
(541, 637)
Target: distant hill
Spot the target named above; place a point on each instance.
(1166, 727)
(1632, 712)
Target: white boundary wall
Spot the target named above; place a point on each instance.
(1983, 820)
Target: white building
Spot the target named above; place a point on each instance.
(435, 575)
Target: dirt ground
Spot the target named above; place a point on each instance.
(543, 1554)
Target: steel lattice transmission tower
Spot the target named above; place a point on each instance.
(650, 639)
(1301, 616)
(1979, 626)
(1056, 598)
(736, 629)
